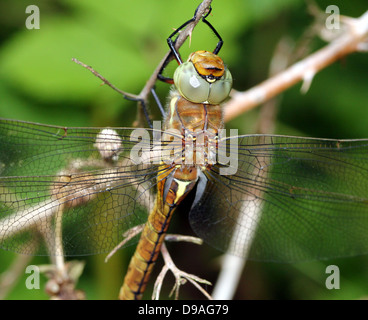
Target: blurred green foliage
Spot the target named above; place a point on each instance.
(124, 41)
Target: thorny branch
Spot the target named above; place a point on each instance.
(353, 38)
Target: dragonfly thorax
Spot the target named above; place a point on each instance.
(198, 125)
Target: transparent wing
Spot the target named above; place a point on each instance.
(291, 199)
(82, 179)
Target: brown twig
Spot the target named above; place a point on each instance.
(126, 95)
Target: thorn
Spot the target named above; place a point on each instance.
(307, 81)
(190, 37)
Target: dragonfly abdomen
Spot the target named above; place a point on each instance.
(145, 256)
(177, 183)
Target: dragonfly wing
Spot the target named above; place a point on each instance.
(291, 199)
(83, 177)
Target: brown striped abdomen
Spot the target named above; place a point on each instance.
(145, 256)
(153, 234)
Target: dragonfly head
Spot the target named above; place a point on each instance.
(203, 78)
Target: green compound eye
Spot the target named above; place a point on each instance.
(198, 90)
(220, 89)
(190, 84)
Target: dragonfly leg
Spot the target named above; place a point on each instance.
(144, 108)
(158, 102)
(171, 44)
(220, 42)
(174, 52)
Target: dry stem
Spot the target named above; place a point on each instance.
(180, 277)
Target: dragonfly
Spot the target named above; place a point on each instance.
(75, 191)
